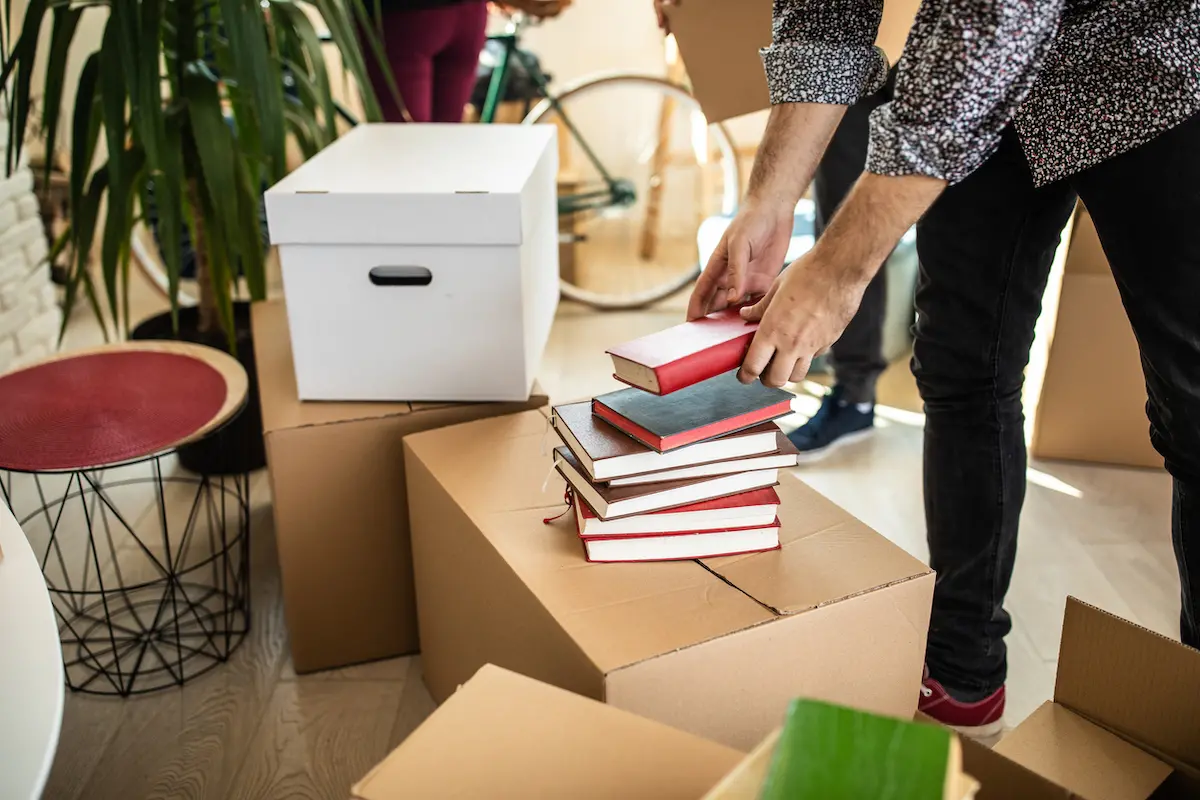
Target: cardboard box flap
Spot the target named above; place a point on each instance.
(281, 406)
(518, 472)
(1001, 778)
(727, 81)
(412, 184)
(827, 555)
(618, 614)
(1082, 757)
(1131, 681)
(502, 735)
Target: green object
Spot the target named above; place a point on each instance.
(829, 752)
(195, 100)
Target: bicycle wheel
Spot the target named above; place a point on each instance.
(632, 195)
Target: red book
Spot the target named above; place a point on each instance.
(682, 355)
(753, 509)
(707, 410)
(682, 546)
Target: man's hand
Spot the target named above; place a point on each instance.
(810, 305)
(747, 259)
(752, 250)
(805, 312)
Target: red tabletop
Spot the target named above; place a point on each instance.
(106, 407)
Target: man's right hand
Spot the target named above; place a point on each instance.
(747, 260)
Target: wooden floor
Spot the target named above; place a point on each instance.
(253, 729)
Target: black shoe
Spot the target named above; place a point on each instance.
(836, 422)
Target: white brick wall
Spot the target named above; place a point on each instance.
(29, 312)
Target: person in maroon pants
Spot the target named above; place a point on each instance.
(433, 47)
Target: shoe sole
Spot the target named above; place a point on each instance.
(981, 732)
(813, 456)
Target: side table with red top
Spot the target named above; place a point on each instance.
(147, 566)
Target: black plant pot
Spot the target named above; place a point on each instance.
(238, 447)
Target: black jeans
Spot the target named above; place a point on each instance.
(857, 356)
(985, 249)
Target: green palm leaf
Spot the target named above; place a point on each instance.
(190, 99)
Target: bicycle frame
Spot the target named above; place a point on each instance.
(616, 192)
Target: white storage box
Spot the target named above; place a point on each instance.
(420, 262)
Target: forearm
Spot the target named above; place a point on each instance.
(871, 220)
(795, 138)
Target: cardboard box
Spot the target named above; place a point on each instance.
(341, 513)
(502, 735)
(1093, 395)
(420, 262)
(719, 41)
(1123, 724)
(717, 648)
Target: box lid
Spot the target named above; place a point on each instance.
(412, 184)
(1122, 725)
(502, 735)
(622, 614)
(278, 396)
(1103, 656)
(1082, 757)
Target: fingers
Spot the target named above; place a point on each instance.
(783, 366)
(755, 312)
(739, 261)
(758, 357)
(800, 371)
(710, 283)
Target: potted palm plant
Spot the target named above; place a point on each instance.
(195, 102)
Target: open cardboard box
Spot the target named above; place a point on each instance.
(502, 735)
(719, 41)
(1124, 723)
(717, 648)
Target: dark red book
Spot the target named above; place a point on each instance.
(607, 454)
(707, 410)
(610, 503)
(682, 546)
(753, 509)
(675, 358)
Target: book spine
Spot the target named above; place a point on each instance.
(702, 365)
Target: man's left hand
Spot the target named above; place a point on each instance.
(803, 314)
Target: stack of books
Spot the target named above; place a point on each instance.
(682, 473)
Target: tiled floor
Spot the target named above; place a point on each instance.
(255, 729)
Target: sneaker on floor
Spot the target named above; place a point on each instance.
(983, 719)
(836, 422)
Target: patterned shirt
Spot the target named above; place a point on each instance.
(1081, 80)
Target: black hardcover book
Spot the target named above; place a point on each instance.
(705, 410)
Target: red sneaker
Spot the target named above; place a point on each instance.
(979, 720)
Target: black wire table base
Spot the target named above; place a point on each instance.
(149, 573)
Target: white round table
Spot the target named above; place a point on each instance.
(31, 669)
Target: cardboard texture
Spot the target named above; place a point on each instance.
(719, 41)
(1100, 739)
(341, 513)
(1082, 757)
(502, 735)
(1093, 399)
(716, 648)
